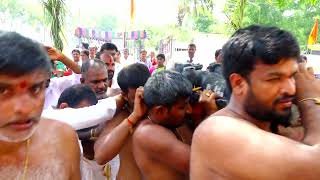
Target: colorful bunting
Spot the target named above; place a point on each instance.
(108, 35)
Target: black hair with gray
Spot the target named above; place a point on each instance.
(96, 63)
(165, 87)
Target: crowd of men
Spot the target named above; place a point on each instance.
(100, 116)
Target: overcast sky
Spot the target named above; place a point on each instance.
(153, 12)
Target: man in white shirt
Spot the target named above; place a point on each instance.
(92, 52)
(118, 64)
(143, 59)
(108, 54)
(126, 59)
(191, 51)
(56, 85)
(76, 57)
(114, 88)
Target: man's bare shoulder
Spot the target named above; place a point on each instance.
(227, 131)
(222, 124)
(145, 127)
(108, 126)
(64, 139)
(149, 134)
(56, 126)
(60, 131)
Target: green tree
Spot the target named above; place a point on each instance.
(17, 9)
(156, 33)
(204, 21)
(296, 17)
(235, 9)
(193, 8)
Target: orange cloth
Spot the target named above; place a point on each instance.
(313, 34)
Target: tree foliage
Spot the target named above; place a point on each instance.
(156, 33)
(234, 10)
(194, 8)
(17, 9)
(295, 16)
(204, 21)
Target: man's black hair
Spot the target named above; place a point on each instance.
(255, 44)
(86, 52)
(133, 76)
(108, 46)
(165, 87)
(20, 55)
(161, 56)
(192, 45)
(91, 63)
(143, 50)
(217, 53)
(77, 93)
(75, 50)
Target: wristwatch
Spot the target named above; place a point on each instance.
(316, 100)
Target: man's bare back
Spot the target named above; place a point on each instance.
(53, 153)
(155, 156)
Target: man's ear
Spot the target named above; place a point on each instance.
(238, 83)
(161, 112)
(63, 105)
(82, 80)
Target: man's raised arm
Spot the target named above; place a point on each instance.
(308, 87)
(55, 55)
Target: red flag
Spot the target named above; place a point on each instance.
(313, 34)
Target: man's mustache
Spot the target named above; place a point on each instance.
(284, 98)
(101, 91)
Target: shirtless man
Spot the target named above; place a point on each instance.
(24, 70)
(241, 141)
(116, 136)
(158, 148)
(114, 88)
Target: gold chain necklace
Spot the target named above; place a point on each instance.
(26, 163)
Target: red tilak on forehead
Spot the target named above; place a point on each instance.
(23, 84)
